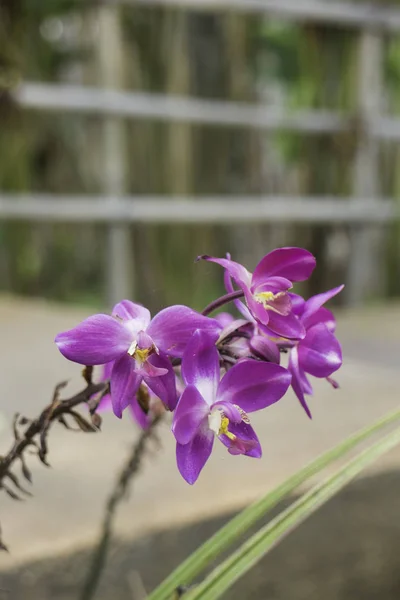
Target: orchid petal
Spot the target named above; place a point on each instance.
(105, 374)
(105, 403)
(200, 365)
(224, 319)
(124, 384)
(150, 370)
(172, 328)
(265, 349)
(138, 414)
(257, 309)
(97, 340)
(315, 302)
(233, 412)
(295, 264)
(191, 412)
(144, 341)
(253, 385)
(231, 328)
(127, 311)
(298, 303)
(163, 385)
(273, 284)
(238, 272)
(320, 353)
(281, 304)
(322, 315)
(246, 442)
(297, 383)
(242, 308)
(192, 457)
(288, 326)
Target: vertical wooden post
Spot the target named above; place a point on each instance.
(365, 271)
(179, 164)
(119, 278)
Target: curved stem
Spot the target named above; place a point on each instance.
(221, 301)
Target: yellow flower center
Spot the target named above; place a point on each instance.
(223, 430)
(139, 354)
(142, 355)
(218, 422)
(265, 297)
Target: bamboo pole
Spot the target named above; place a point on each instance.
(365, 272)
(119, 279)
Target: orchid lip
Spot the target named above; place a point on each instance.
(267, 299)
(218, 422)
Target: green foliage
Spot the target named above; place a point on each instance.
(251, 552)
(234, 530)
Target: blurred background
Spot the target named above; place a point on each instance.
(136, 135)
(201, 129)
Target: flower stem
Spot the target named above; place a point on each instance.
(221, 301)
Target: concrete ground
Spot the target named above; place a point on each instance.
(68, 501)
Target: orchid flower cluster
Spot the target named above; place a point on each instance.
(212, 373)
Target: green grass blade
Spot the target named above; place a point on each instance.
(252, 551)
(232, 531)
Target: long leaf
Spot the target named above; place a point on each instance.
(253, 550)
(232, 531)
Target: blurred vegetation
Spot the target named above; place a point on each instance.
(232, 56)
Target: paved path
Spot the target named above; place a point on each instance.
(69, 498)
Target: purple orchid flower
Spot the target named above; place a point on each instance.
(262, 341)
(210, 407)
(139, 346)
(266, 290)
(319, 352)
(143, 406)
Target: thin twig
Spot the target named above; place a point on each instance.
(36, 433)
(130, 469)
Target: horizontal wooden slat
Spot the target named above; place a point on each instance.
(172, 108)
(351, 14)
(97, 101)
(218, 210)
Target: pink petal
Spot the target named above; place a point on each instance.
(192, 457)
(163, 384)
(298, 304)
(97, 340)
(242, 308)
(320, 353)
(315, 302)
(253, 385)
(288, 326)
(124, 383)
(191, 412)
(237, 271)
(138, 414)
(224, 319)
(105, 403)
(246, 442)
(295, 264)
(200, 365)
(172, 328)
(298, 379)
(127, 310)
(265, 349)
(322, 315)
(274, 285)
(257, 310)
(231, 411)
